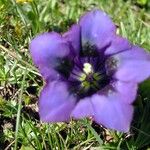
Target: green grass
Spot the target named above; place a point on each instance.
(20, 81)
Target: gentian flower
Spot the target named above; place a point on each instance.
(90, 71)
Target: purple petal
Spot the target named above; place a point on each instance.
(130, 66)
(73, 36)
(118, 44)
(134, 71)
(55, 103)
(112, 112)
(135, 53)
(127, 90)
(83, 109)
(45, 49)
(96, 28)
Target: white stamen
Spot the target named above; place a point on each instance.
(87, 68)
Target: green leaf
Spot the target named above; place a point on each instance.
(142, 2)
(23, 147)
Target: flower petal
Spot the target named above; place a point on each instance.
(73, 36)
(96, 28)
(55, 103)
(118, 44)
(130, 66)
(136, 71)
(127, 90)
(45, 49)
(135, 53)
(83, 109)
(112, 113)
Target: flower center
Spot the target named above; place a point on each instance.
(89, 78)
(85, 74)
(88, 69)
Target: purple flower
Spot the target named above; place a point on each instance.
(89, 71)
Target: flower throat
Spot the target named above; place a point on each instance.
(85, 74)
